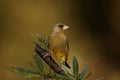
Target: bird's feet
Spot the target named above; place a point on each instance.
(46, 55)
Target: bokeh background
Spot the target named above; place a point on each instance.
(94, 34)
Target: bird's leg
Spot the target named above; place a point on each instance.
(46, 55)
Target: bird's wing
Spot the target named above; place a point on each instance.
(67, 46)
(67, 49)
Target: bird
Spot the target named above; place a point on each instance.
(58, 44)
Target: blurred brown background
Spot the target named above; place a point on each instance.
(94, 34)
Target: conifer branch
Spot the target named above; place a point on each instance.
(48, 59)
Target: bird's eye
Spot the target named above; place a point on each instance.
(61, 25)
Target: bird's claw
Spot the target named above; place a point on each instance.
(46, 55)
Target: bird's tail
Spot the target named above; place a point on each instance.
(66, 64)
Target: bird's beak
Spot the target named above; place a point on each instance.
(65, 27)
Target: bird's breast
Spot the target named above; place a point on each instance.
(57, 46)
(57, 41)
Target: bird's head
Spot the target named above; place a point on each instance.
(60, 27)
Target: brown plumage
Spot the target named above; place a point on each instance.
(58, 44)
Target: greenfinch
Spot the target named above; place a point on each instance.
(58, 44)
